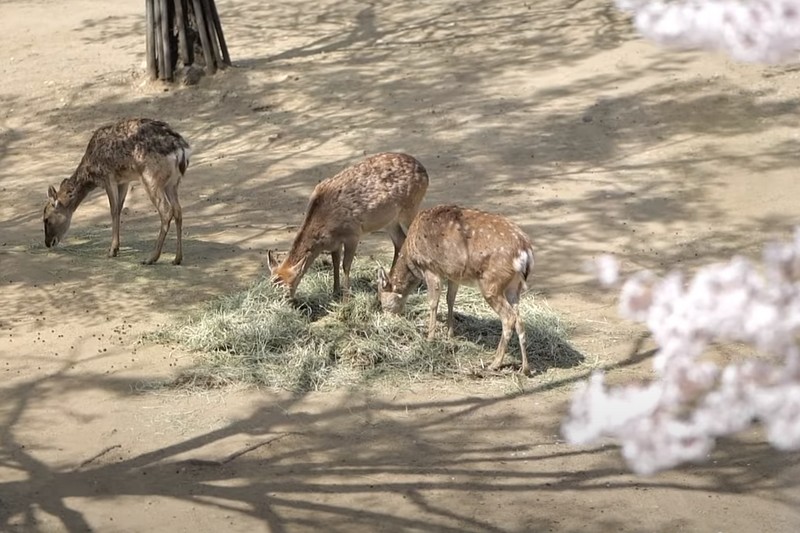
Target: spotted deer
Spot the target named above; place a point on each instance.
(117, 154)
(381, 191)
(463, 246)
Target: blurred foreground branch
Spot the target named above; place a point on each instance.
(677, 416)
(763, 31)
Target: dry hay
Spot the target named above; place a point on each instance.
(256, 336)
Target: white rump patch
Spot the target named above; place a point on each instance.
(524, 261)
(181, 153)
(175, 158)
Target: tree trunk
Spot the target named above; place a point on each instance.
(184, 40)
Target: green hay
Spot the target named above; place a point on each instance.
(258, 337)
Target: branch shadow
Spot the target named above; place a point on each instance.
(413, 462)
(339, 80)
(387, 77)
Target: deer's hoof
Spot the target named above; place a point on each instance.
(148, 261)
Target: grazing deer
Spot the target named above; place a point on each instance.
(463, 246)
(381, 191)
(117, 154)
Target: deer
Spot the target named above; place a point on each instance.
(461, 245)
(118, 154)
(380, 191)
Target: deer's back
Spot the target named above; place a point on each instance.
(372, 192)
(466, 244)
(126, 147)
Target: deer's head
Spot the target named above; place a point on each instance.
(285, 273)
(390, 299)
(57, 216)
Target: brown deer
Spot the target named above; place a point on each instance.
(381, 191)
(117, 154)
(463, 246)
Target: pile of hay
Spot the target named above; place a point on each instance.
(258, 337)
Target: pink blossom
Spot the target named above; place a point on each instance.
(677, 416)
(766, 31)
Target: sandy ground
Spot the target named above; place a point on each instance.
(551, 112)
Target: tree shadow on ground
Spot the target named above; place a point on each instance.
(396, 76)
(359, 462)
(391, 77)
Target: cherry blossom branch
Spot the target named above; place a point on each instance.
(677, 417)
(764, 31)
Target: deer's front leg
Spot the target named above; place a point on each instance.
(452, 289)
(114, 203)
(434, 286)
(336, 259)
(347, 261)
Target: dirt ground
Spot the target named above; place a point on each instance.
(552, 112)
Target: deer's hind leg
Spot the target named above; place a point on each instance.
(177, 213)
(156, 190)
(496, 297)
(513, 295)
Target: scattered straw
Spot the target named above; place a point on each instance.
(258, 337)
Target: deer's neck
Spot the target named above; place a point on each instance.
(78, 187)
(308, 244)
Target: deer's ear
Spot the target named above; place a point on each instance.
(272, 261)
(300, 266)
(383, 279)
(52, 194)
